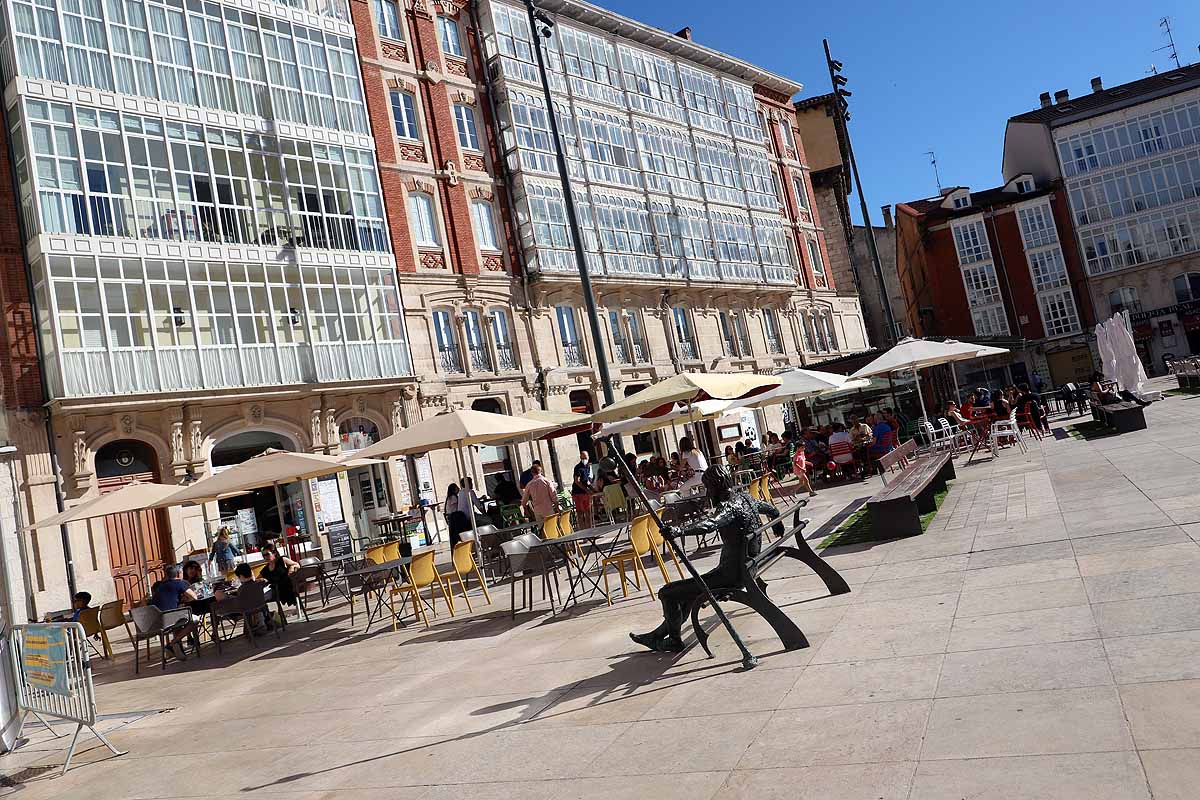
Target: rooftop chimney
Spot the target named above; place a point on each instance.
(1097, 84)
(887, 217)
(1045, 98)
(685, 33)
(1062, 96)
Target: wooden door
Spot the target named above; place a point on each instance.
(132, 537)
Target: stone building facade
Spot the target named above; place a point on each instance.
(309, 224)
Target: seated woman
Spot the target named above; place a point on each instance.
(737, 520)
(954, 415)
(278, 574)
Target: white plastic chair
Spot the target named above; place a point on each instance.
(937, 438)
(1007, 427)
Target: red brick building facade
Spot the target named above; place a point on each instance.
(999, 264)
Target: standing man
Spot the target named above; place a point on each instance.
(583, 481)
(541, 494)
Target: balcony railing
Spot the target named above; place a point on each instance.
(621, 353)
(450, 361)
(730, 348)
(573, 355)
(687, 349)
(744, 348)
(639, 353)
(506, 357)
(774, 345)
(481, 360)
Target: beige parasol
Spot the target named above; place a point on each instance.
(133, 496)
(686, 387)
(456, 429)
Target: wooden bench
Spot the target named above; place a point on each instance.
(1124, 416)
(910, 492)
(750, 589)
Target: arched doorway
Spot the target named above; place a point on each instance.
(494, 460)
(581, 403)
(368, 485)
(253, 517)
(139, 542)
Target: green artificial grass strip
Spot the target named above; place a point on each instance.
(1089, 430)
(858, 529)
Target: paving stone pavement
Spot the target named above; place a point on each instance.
(1041, 640)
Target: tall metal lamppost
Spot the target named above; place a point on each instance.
(540, 27)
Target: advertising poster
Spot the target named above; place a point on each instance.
(44, 658)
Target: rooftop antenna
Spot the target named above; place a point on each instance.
(933, 162)
(1165, 24)
(1152, 71)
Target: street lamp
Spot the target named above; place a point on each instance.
(541, 26)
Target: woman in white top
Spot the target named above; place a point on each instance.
(694, 463)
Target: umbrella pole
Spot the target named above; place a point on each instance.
(471, 504)
(920, 396)
(748, 659)
(279, 508)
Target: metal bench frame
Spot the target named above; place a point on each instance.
(749, 591)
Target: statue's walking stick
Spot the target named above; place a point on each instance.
(748, 659)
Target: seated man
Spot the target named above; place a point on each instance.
(737, 520)
(841, 446)
(80, 603)
(170, 594)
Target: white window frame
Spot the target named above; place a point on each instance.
(422, 220)
(388, 25)
(484, 221)
(1130, 300)
(464, 123)
(407, 127)
(448, 36)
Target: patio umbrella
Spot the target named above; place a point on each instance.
(686, 387)
(690, 412)
(455, 430)
(133, 496)
(270, 468)
(981, 351)
(914, 354)
(1108, 354)
(1130, 372)
(566, 422)
(799, 384)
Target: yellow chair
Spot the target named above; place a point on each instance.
(639, 540)
(422, 572)
(256, 569)
(565, 526)
(550, 525)
(766, 489)
(89, 618)
(377, 554)
(660, 545)
(756, 488)
(112, 616)
(464, 565)
(391, 551)
(615, 501)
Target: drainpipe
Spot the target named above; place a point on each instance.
(68, 560)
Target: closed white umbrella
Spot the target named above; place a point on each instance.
(1131, 375)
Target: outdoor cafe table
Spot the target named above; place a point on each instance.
(564, 544)
(328, 579)
(375, 578)
(979, 428)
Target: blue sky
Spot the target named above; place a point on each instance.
(937, 75)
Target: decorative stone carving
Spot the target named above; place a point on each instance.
(451, 172)
(195, 441)
(314, 427)
(411, 152)
(395, 50)
(456, 67)
(80, 451)
(360, 405)
(333, 436)
(474, 162)
(432, 400)
(431, 65)
(408, 391)
(398, 413)
(482, 193)
(178, 456)
(126, 423)
(433, 260)
(493, 262)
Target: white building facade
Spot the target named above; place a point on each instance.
(203, 226)
(1130, 160)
